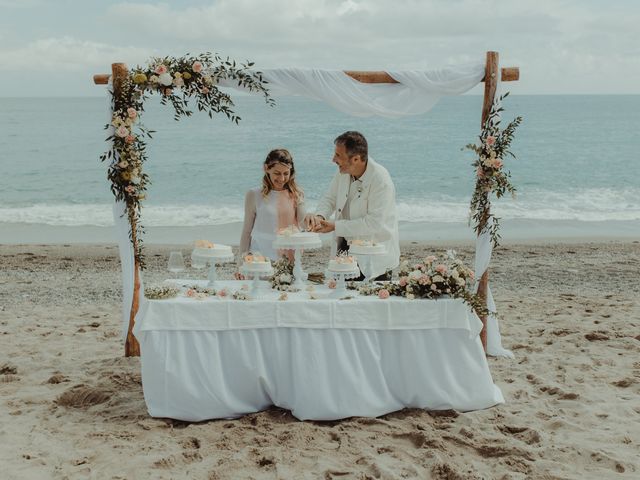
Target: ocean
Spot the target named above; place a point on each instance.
(577, 160)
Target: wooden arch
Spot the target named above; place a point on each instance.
(508, 74)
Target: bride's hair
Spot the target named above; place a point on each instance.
(281, 155)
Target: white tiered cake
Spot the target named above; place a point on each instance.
(204, 248)
(366, 247)
(292, 236)
(343, 264)
(256, 263)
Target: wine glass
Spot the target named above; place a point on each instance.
(176, 262)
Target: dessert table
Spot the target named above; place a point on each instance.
(321, 358)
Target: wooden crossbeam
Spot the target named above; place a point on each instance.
(508, 74)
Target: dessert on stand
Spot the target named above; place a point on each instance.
(256, 266)
(214, 253)
(292, 238)
(342, 267)
(363, 250)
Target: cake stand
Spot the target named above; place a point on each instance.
(213, 258)
(340, 277)
(299, 275)
(256, 290)
(366, 265)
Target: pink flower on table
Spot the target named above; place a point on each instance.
(332, 284)
(160, 69)
(424, 280)
(441, 268)
(190, 293)
(490, 140)
(223, 292)
(402, 282)
(196, 67)
(132, 112)
(122, 131)
(383, 294)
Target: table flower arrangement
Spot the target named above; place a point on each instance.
(160, 293)
(434, 277)
(283, 276)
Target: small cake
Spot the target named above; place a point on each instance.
(366, 247)
(292, 235)
(204, 248)
(343, 264)
(255, 262)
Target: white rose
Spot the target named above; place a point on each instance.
(165, 79)
(415, 274)
(438, 278)
(178, 82)
(285, 278)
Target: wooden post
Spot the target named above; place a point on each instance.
(131, 346)
(490, 85)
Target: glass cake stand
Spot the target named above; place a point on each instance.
(248, 272)
(213, 259)
(340, 278)
(299, 275)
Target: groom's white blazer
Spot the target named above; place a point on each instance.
(372, 213)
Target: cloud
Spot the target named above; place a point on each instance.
(67, 54)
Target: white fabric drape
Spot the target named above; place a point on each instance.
(484, 249)
(417, 92)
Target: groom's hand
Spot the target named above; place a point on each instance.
(312, 222)
(325, 227)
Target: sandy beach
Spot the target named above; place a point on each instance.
(71, 406)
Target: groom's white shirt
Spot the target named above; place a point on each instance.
(371, 212)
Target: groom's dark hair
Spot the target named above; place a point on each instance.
(354, 143)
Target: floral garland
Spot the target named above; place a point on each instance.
(431, 279)
(177, 80)
(161, 293)
(490, 175)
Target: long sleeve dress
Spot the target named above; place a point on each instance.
(263, 217)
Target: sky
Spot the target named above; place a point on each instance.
(53, 47)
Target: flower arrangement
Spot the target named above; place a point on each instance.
(199, 293)
(161, 293)
(177, 80)
(435, 277)
(283, 276)
(240, 295)
(490, 174)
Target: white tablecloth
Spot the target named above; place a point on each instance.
(322, 359)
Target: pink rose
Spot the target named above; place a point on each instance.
(196, 67)
(383, 294)
(441, 268)
(420, 266)
(122, 131)
(223, 292)
(424, 280)
(480, 172)
(497, 163)
(402, 282)
(490, 140)
(132, 113)
(160, 69)
(190, 293)
(130, 189)
(332, 284)
(129, 139)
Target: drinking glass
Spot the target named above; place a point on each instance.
(176, 262)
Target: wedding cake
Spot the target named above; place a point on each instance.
(292, 236)
(204, 248)
(366, 247)
(343, 264)
(254, 262)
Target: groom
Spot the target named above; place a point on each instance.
(363, 197)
